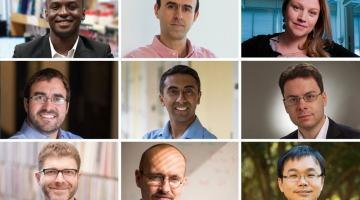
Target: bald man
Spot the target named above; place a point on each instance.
(161, 173)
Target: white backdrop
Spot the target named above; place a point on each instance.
(215, 29)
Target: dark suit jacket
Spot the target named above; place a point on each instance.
(40, 48)
(335, 131)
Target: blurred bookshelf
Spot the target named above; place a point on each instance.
(98, 180)
(25, 18)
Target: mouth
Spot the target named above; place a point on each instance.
(300, 26)
(47, 115)
(304, 116)
(303, 193)
(181, 108)
(64, 22)
(163, 197)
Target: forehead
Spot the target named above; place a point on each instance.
(180, 80)
(300, 86)
(182, 2)
(54, 85)
(302, 164)
(57, 162)
(311, 4)
(63, 1)
(165, 161)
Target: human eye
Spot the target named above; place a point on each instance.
(292, 100)
(173, 91)
(156, 178)
(295, 7)
(59, 100)
(293, 176)
(39, 98)
(189, 92)
(69, 172)
(313, 13)
(54, 6)
(171, 6)
(73, 6)
(310, 97)
(50, 172)
(187, 8)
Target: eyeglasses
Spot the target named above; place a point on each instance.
(43, 99)
(308, 177)
(293, 100)
(53, 173)
(158, 180)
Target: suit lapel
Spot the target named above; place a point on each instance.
(46, 50)
(81, 50)
(333, 131)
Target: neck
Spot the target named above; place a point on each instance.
(63, 44)
(177, 45)
(292, 42)
(52, 135)
(178, 128)
(311, 133)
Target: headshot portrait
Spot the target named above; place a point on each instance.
(297, 171)
(59, 170)
(300, 28)
(179, 100)
(179, 29)
(59, 100)
(62, 28)
(314, 100)
(179, 170)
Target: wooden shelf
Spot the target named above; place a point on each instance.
(19, 22)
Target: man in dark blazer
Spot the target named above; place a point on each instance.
(64, 17)
(304, 100)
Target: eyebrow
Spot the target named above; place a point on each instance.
(310, 92)
(307, 170)
(43, 93)
(174, 3)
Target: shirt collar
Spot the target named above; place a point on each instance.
(35, 134)
(322, 133)
(193, 131)
(70, 53)
(166, 52)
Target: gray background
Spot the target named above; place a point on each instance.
(263, 112)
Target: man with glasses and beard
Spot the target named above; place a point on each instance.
(46, 102)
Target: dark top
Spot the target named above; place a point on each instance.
(335, 131)
(40, 48)
(259, 46)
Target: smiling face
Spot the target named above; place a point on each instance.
(180, 96)
(301, 17)
(176, 18)
(161, 162)
(305, 188)
(306, 115)
(59, 187)
(46, 117)
(64, 17)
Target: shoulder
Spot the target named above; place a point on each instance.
(258, 46)
(69, 135)
(201, 52)
(208, 135)
(155, 134)
(143, 52)
(292, 135)
(337, 50)
(341, 131)
(97, 49)
(31, 48)
(18, 135)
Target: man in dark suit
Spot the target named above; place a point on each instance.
(64, 17)
(305, 99)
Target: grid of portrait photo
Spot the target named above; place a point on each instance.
(179, 99)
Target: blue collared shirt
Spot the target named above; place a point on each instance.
(27, 132)
(194, 131)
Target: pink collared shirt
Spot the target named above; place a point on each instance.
(159, 50)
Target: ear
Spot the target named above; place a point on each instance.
(138, 178)
(286, 108)
(37, 177)
(196, 16)
(324, 98)
(26, 105)
(280, 182)
(161, 98)
(198, 102)
(83, 15)
(46, 14)
(67, 107)
(156, 10)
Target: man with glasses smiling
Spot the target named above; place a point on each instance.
(58, 174)
(305, 99)
(161, 173)
(301, 173)
(46, 102)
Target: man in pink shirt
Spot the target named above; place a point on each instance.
(176, 18)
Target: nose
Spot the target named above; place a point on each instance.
(179, 13)
(63, 11)
(60, 178)
(301, 16)
(303, 181)
(181, 98)
(165, 186)
(301, 104)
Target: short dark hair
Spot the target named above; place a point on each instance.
(144, 156)
(82, 1)
(298, 152)
(158, 2)
(46, 75)
(303, 70)
(178, 69)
